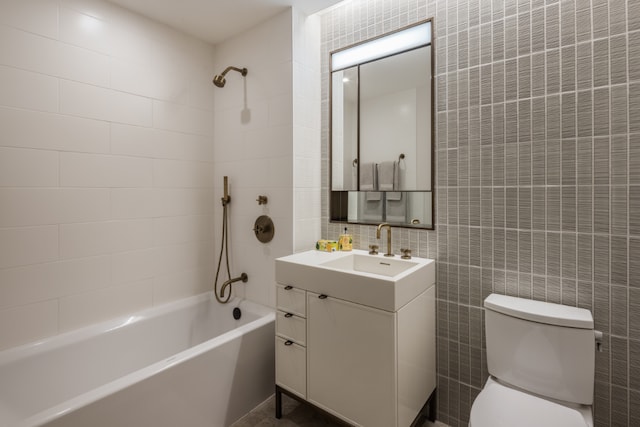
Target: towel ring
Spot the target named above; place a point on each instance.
(400, 157)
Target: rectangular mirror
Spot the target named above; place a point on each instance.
(345, 128)
(382, 130)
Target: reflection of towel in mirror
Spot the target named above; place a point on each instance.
(369, 208)
(388, 176)
(396, 207)
(373, 196)
(368, 177)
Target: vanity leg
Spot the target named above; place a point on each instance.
(433, 403)
(428, 411)
(278, 403)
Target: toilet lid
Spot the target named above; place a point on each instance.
(501, 406)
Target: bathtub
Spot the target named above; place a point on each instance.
(187, 363)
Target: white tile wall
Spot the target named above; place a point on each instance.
(306, 131)
(28, 51)
(106, 165)
(28, 168)
(182, 284)
(133, 266)
(107, 183)
(84, 30)
(36, 321)
(35, 16)
(93, 170)
(43, 206)
(182, 118)
(82, 65)
(31, 284)
(254, 146)
(53, 131)
(28, 90)
(28, 245)
(82, 309)
(79, 99)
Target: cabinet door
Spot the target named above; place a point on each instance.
(351, 361)
(291, 366)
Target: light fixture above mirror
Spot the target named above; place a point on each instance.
(381, 122)
(387, 45)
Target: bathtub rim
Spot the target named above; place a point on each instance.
(266, 315)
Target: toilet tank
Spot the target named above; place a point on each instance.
(544, 348)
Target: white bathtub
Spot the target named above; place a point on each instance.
(188, 364)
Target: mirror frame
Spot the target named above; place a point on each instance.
(338, 199)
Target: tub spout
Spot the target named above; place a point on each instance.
(242, 277)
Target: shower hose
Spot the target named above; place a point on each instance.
(225, 247)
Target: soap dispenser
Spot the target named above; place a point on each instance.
(345, 243)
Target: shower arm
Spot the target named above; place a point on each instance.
(242, 71)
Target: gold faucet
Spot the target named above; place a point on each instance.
(380, 227)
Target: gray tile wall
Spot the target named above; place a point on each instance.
(538, 174)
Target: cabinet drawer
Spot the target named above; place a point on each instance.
(291, 367)
(291, 300)
(291, 327)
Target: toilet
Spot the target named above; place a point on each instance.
(541, 361)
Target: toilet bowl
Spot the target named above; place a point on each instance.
(541, 358)
(499, 405)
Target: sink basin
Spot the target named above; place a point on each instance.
(387, 283)
(385, 266)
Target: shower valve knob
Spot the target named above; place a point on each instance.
(264, 229)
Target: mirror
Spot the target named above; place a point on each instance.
(382, 130)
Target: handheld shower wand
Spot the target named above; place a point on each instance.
(226, 199)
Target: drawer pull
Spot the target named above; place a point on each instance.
(288, 315)
(288, 342)
(288, 288)
(322, 296)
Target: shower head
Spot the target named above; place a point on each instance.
(219, 79)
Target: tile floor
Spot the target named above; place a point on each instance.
(294, 414)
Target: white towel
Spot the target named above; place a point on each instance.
(369, 210)
(373, 196)
(388, 176)
(368, 177)
(396, 210)
(394, 195)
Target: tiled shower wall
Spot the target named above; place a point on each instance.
(538, 174)
(106, 165)
(267, 134)
(254, 148)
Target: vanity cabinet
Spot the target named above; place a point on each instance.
(368, 366)
(351, 361)
(291, 330)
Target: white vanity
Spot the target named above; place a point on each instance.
(355, 335)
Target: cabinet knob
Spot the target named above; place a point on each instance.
(322, 296)
(288, 342)
(288, 288)
(288, 315)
